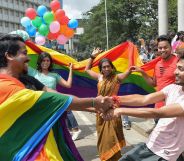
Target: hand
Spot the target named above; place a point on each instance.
(96, 52)
(102, 104)
(111, 114)
(70, 66)
(135, 69)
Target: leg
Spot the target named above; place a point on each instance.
(73, 125)
(126, 122)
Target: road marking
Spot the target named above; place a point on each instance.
(86, 121)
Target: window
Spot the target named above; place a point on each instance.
(6, 24)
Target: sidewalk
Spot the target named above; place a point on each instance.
(142, 126)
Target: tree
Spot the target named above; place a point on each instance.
(127, 20)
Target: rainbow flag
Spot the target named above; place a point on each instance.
(122, 56)
(30, 124)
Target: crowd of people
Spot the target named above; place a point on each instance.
(166, 141)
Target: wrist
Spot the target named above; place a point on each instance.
(92, 57)
(93, 102)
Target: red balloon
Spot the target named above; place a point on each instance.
(64, 20)
(31, 13)
(59, 14)
(55, 5)
(53, 36)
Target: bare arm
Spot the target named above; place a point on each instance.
(124, 75)
(151, 81)
(142, 100)
(67, 83)
(94, 54)
(173, 110)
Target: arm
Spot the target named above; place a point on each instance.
(88, 70)
(99, 104)
(148, 79)
(67, 83)
(173, 110)
(124, 75)
(141, 100)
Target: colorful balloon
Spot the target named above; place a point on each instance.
(25, 21)
(37, 22)
(21, 33)
(59, 14)
(54, 27)
(40, 40)
(55, 5)
(69, 33)
(62, 39)
(63, 29)
(73, 23)
(64, 20)
(41, 10)
(48, 17)
(31, 13)
(31, 31)
(43, 30)
(52, 36)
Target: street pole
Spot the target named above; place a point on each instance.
(107, 35)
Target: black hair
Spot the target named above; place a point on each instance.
(106, 60)
(8, 44)
(40, 59)
(164, 38)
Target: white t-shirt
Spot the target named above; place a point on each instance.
(167, 138)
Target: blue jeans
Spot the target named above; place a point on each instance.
(71, 120)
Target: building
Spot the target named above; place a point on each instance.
(11, 12)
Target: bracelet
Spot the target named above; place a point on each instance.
(93, 102)
(116, 100)
(92, 57)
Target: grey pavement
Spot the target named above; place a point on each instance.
(87, 141)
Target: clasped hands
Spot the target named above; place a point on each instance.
(106, 107)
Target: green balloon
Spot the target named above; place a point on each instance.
(48, 17)
(43, 30)
(37, 22)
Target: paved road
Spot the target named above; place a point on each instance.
(88, 138)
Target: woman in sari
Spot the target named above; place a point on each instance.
(110, 133)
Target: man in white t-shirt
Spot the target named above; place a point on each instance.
(166, 141)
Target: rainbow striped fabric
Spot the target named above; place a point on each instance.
(31, 124)
(122, 56)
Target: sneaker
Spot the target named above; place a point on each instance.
(76, 134)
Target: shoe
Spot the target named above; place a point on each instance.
(127, 126)
(76, 134)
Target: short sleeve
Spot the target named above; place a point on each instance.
(58, 77)
(32, 72)
(167, 89)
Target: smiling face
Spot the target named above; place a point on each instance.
(164, 49)
(20, 61)
(179, 73)
(106, 69)
(45, 64)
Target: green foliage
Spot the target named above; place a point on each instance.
(127, 20)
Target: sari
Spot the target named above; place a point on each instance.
(110, 133)
(31, 129)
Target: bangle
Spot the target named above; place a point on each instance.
(116, 100)
(92, 57)
(93, 102)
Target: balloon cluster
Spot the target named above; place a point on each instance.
(54, 24)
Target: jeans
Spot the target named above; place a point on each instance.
(71, 120)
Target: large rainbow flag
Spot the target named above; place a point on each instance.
(122, 56)
(31, 124)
